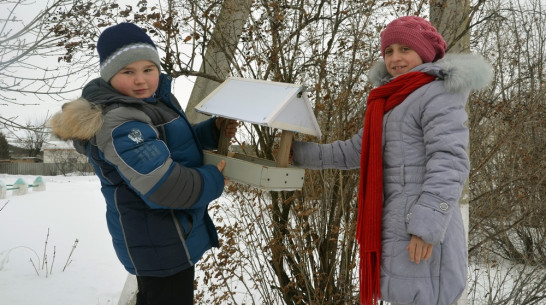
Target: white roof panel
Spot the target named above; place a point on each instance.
(267, 103)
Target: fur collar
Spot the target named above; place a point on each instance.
(80, 119)
(460, 72)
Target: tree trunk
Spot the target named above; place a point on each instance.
(451, 18)
(219, 54)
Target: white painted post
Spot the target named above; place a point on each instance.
(20, 187)
(3, 190)
(38, 185)
(128, 294)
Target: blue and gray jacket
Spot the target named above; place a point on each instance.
(149, 160)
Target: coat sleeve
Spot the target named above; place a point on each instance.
(130, 143)
(207, 133)
(445, 136)
(338, 154)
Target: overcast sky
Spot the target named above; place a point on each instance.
(47, 106)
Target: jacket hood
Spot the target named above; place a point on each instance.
(80, 119)
(460, 72)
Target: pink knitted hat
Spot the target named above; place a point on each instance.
(418, 34)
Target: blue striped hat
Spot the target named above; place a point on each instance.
(121, 45)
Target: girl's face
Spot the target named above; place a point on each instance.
(138, 79)
(400, 59)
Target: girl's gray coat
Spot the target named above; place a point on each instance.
(425, 166)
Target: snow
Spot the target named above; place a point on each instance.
(71, 208)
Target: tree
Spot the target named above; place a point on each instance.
(220, 52)
(507, 184)
(309, 247)
(452, 19)
(293, 247)
(25, 46)
(502, 227)
(4, 147)
(33, 137)
(299, 247)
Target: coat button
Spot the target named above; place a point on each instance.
(408, 217)
(444, 206)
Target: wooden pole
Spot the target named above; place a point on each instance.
(284, 148)
(223, 142)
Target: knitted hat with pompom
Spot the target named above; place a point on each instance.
(416, 33)
(121, 45)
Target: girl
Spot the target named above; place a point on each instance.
(412, 154)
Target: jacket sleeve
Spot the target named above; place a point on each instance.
(338, 154)
(207, 133)
(130, 143)
(445, 136)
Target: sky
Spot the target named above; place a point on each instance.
(46, 107)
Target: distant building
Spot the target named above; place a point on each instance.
(58, 151)
(20, 155)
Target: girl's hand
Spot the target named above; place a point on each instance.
(231, 127)
(418, 249)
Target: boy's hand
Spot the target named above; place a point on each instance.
(418, 249)
(220, 167)
(231, 127)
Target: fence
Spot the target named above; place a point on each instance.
(45, 169)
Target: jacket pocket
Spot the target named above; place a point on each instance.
(399, 264)
(405, 282)
(185, 221)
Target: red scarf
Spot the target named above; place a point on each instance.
(370, 192)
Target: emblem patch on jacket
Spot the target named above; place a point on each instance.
(136, 136)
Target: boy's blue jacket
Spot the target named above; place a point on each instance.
(150, 163)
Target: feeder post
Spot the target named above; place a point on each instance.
(284, 148)
(223, 142)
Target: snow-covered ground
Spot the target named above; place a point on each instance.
(71, 208)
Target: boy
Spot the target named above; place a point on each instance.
(150, 163)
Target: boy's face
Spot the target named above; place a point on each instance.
(138, 79)
(401, 59)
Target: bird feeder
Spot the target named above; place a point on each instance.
(272, 104)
